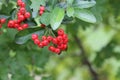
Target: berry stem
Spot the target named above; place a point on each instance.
(51, 32)
(46, 32)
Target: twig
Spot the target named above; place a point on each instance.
(85, 59)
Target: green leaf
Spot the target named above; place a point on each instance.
(85, 15)
(12, 53)
(51, 3)
(97, 14)
(45, 18)
(6, 10)
(23, 36)
(84, 4)
(5, 2)
(70, 2)
(99, 38)
(57, 16)
(0, 5)
(70, 11)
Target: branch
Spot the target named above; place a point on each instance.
(85, 59)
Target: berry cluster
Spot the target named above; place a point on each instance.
(42, 9)
(2, 21)
(21, 16)
(59, 42)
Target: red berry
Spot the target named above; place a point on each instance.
(37, 41)
(21, 17)
(49, 38)
(19, 2)
(45, 42)
(16, 25)
(51, 48)
(40, 45)
(60, 42)
(19, 28)
(61, 46)
(18, 21)
(24, 26)
(57, 50)
(64, 36)
(2, 21)
(65, 41)
(64, 46)
(60, 32)
(41, 12)
(34, 36)
(55, 41)
(44, 38)
(11, 24)
(42, 8)
(22, 4)
(22, 10)
(27, 15)
(59, 38)
(18, 14)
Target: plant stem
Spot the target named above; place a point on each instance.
(52, 33)
(85, 59)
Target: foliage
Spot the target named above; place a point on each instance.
(96, 25)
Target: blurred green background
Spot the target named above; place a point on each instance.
(93, 52)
